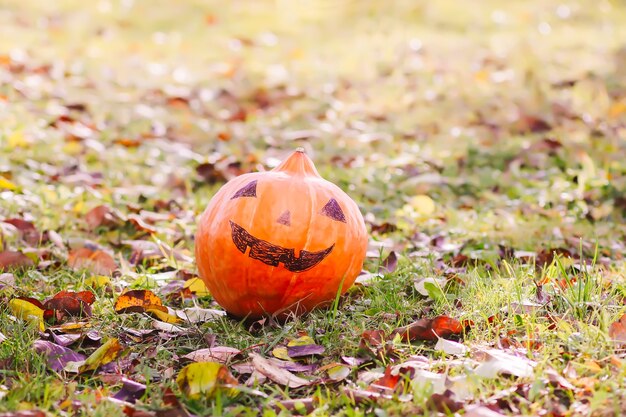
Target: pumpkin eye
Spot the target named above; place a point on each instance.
(285, 218)
(333, 210)
(248, 190)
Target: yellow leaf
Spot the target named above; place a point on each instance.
(301, 341)
(72, 327)
(204, 378)
(423, 204)
(281, 353)
(27, 311)
(164, 316)
(197, 287)
(97, 281)
(106, 353)
(7, 185)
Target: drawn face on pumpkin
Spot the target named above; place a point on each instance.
(278, 241)
(272, 254)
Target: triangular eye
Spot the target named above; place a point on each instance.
(285, 218)
(248, 190)
(333, 210)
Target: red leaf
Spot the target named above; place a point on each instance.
(14, 260)
(387, 382)
(69, 304)
(429, 329)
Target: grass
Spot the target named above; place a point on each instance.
(510, 118)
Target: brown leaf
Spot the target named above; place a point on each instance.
(14, 260)
(429, 329)
(98, 262)
(444, 403)
(101, 216)
(617, 331)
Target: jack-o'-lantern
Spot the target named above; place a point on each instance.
(280, 241)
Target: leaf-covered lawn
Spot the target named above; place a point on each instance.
(484, 143)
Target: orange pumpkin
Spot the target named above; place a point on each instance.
(280, 241)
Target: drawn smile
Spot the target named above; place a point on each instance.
(272, 255)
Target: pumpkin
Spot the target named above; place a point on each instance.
(281, 241)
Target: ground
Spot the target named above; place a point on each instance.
(483, 142)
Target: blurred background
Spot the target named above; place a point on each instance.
(487, 114)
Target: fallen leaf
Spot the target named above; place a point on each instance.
(28, 231)
(276, 374)
(28, 309)
(481, 411)
(106, 353)
(303, 346)
(98, 262)
(199, 315)
(389, 265)
(57, 356)
(221, 354)
(617, 331)
(450, 347)
(444, 403)
(499, 362)
(131, 391)
(136, 301)
(197, 286)
(102, 216)
(204, 378)
(429, 329)
(431, 287)
(69, 304)
(168, 327)
(14, 260)
(388, 382)
(336, 371)
(97, 281)
(7, 280)
(304, 350)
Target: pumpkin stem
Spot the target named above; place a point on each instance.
(298, 164)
